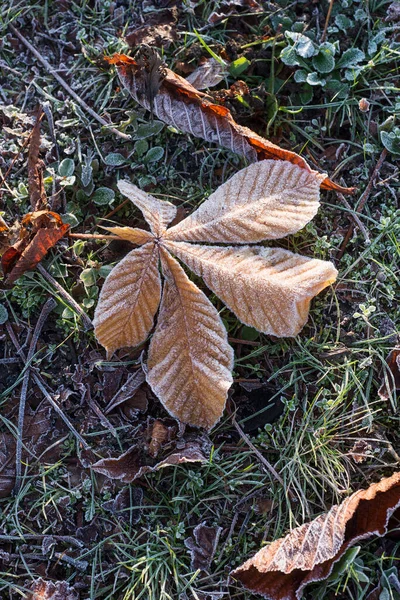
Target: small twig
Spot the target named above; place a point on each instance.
(46, 310)
(245, 342)
(87, 323)
(68, 539)
(328, 16)
(115, 210)
(38, 380)
(260, 457)
(93, 236)
(70, 91)
(356, 218)
(363, 199)
(97, 410)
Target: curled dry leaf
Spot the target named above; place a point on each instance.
(51, 590)
(130, 465)
(281, 570)
(190, 360)
(39, 232)
(181, 105)
(202, 546)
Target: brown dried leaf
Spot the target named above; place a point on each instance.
(281, 570)
(190, 360)
(265, 201)
(129, 300)
(130, 465)
(40, 231)
(127, 391)
(50, 590)
(158, 213)
(179, 104)
(266, 288)
(203, 546)
(210, 73)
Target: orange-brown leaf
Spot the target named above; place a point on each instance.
(190, 360)
(179, 104)
(129, 300)
(281, 570)
(16, 261)
(267, 288)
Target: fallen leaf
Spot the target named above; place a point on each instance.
(129, 300)
(161, 434)
(391, 379)
(190, 361)
(210, 73)
(127, 391)
(130, 465)
(49, 590)
(159, 29)
(203, 546)
(127, 504)
(40, 231)
(281, 570)
(181, 105)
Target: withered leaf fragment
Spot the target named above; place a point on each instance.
(51, 590)
(281, 570)
(180, 104)
(130, 465)
(190, 361)
(37, 193)
(203, 546)
(39, 232)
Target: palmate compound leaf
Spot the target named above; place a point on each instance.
(266, 288)
(190, 361)
(267, 200)
(129, 300)
(281, 570)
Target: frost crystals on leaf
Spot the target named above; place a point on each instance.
(190, 361)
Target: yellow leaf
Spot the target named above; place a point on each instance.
(265, 201)
(267, 288)
(190, 360)
(132, 234)
(129, 300)
(158, 213)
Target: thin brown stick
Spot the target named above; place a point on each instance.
(356, 219)
(328, 16)
(233, 340)
(115, 210)
(46, 310)
(92, 236)
(65, 85)
(363, 199)
(87, 323)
